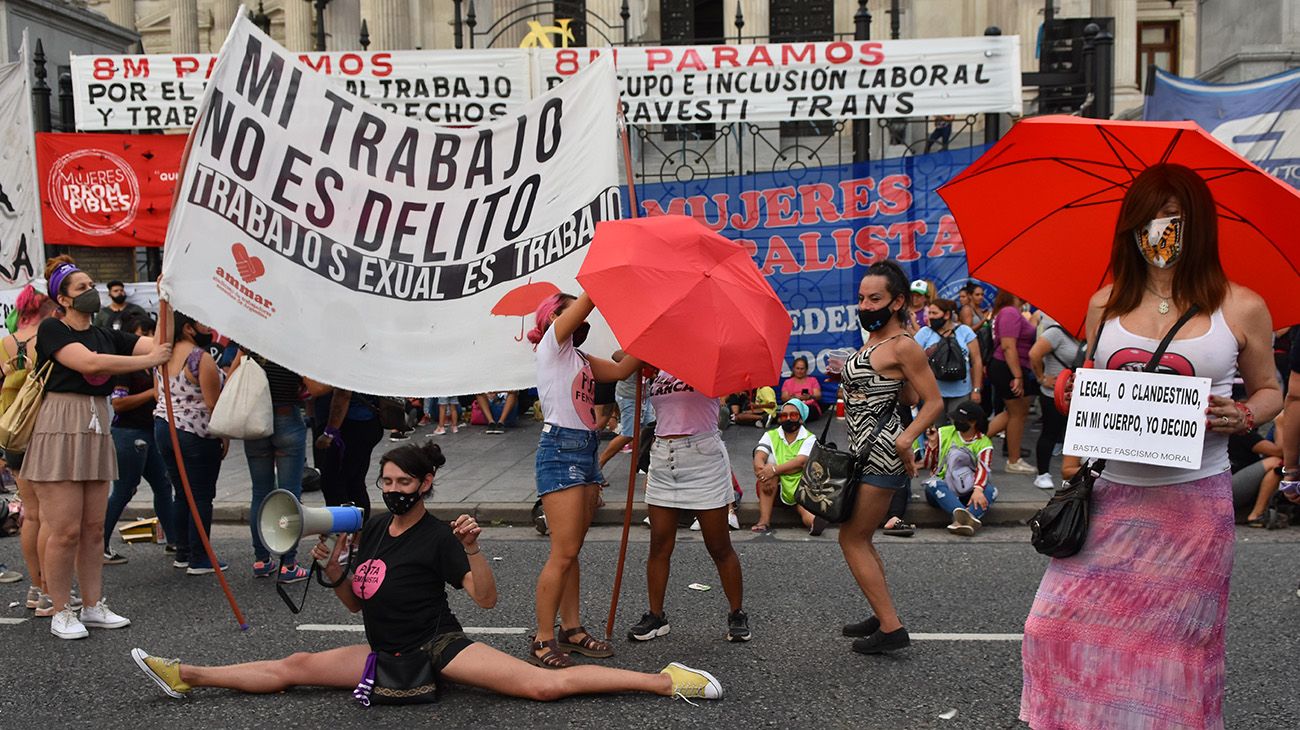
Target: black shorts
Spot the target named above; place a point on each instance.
(444, 647)
(605, 394)
(999, 374)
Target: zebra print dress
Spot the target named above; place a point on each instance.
(867, 394)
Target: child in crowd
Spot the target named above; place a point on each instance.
(959, 457)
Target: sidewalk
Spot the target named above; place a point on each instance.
(491, 477)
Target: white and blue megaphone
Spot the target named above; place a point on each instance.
(282, 521)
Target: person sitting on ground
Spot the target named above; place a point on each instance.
(805, 387)
(757, 407)
(779, 459)
(498, 409)
(1255, 477)
(118, 308)
(960, 456)
(403, 604)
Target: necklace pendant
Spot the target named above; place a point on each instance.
(1164, 306)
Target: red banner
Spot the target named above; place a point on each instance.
(107, 189)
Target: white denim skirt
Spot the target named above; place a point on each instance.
(690, 472)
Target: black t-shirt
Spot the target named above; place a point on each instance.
(53, 335)
(1241, 452)
(142, 415)
(402, 582)
(286, 385)
(109, 319)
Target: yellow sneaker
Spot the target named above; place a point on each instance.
(166, 673)
(693, 683)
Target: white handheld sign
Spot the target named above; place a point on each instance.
(1140, 417)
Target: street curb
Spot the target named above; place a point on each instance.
(520, 513)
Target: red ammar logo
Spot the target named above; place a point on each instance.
(248, 269)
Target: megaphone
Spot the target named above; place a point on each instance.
(282, 521)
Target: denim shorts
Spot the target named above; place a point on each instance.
(566, 457)
(887, 481)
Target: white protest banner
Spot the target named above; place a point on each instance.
(379, 253)
(1147, 418)
(21, 245)
(782, 82)
(445, 87)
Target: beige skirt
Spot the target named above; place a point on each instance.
(72, 441)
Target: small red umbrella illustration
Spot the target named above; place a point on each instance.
(522, 301)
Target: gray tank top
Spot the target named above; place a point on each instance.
(1212, 355)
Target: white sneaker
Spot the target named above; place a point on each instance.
(1044, 481)
(101, 616)
(733, 521)
(966, 522)
(695, 526)
(66, 626)
(1019, 467)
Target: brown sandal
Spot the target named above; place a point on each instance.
(587, 646)
(554, 658)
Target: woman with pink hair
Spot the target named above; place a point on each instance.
(19, 352)
(568, 475)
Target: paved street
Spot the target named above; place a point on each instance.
(796, 671)
(493, 477)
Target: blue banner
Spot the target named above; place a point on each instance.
(1259, 119)
(813, 232)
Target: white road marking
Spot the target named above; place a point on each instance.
(11, 621)
(484, 630)
(968, 637)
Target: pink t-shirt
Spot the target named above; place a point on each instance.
(794, 388)
(681, 410)
(565, 384)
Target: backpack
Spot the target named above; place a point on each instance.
(13, 382)
(948, 361)
(984, 336)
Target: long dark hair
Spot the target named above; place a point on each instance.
(1005, 299)
(1198, 274)
(896, 284)
(418, 460)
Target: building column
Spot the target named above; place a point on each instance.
(343, 23)
(1126, 16)
(389, 22)
(223, 16)
(185, 26)
(299, 25)
(122, 12)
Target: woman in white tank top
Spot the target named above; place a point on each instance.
(1130, 631)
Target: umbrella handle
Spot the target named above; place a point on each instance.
(627, 511)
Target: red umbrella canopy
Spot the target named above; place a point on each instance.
(1037, 212)
(688, 301)
(524, 300)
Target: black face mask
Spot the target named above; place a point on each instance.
(580, 334)
(203, 340)
(399, 503)
(791, 426)
(119, 299)
(86, 302)
(874, 320)
(938, 323)
(961, 426)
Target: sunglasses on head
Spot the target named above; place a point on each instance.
(787, 417)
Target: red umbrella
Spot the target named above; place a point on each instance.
(1037, 211)
(691, 302)
(523, 301)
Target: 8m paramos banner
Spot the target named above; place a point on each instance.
(376, 252)
(772, 82)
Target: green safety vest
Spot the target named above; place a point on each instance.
(785, 451)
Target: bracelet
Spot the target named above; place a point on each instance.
(1247, 417)
(476, 552)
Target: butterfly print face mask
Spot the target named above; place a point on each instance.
(1161, 241)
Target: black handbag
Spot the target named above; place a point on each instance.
(1060, 528)
(829, 486)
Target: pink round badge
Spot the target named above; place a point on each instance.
(368, 578)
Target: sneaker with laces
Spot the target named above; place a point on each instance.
(439, 431)
(264, 569)
(1044, 481)
(882, 643)
(966, 522)
(182, 564)
(738, 626)
(9, 576)
(100, 616)
(66, 626)
(206, 569)
(693, 684)
(292, 573)
(166, 673)
(113, 558)
(1019, 467)
(649, 627)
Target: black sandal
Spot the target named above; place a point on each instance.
(588, 646)
(554, 658)
(900, 529)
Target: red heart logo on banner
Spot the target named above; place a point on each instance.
(250, 268)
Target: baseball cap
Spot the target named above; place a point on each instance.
(971, 411)
(920, 286)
